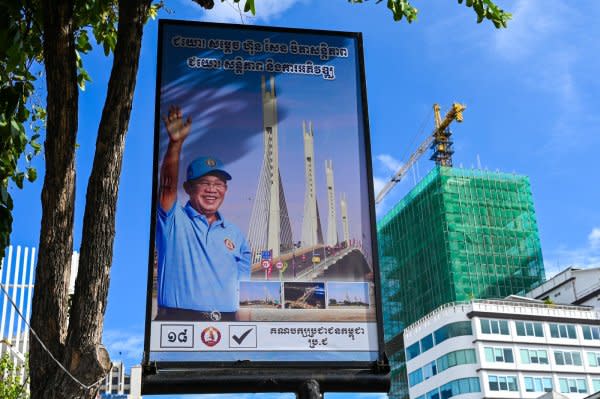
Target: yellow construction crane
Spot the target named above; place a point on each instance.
(439, 141)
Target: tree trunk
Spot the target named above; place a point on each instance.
(79, 349)
(83, 354)
(49, 308)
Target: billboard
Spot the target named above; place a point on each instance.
(262, 248)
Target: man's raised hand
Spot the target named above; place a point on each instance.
(177, 127)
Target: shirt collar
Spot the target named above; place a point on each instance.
(192, 213)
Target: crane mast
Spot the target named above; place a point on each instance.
(439, 141)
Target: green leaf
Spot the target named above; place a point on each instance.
(31, 174)
(4, 196)
(16, 128)
(18, 179)
(36, 147)
(249, 6)
(83, 42)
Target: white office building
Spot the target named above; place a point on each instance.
(512, 348)
(573, 285)
(17, 272)
(120, 385)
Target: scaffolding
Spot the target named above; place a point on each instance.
(459, 234)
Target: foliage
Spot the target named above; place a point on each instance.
(20, 109)
(20, 47)
(11, 386)
(485, 9)
(100, 18)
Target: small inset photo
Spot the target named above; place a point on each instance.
(260, 294)
(347, 295)
(304, 295)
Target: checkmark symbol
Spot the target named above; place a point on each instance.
(242, 337)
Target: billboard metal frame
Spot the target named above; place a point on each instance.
(259, 376)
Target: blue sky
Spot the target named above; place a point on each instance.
(531, 93)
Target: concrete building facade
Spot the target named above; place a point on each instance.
(120, 385)
(573, 285)
(512, 348)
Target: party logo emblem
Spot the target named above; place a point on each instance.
(210, 336)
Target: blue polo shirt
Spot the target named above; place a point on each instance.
(199, 264)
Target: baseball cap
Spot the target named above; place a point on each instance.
(204, 165)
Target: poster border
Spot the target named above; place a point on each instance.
(260, 376)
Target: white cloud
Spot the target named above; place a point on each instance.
(594, 238)
(530, 26)
(229, 11)
(378, 184)
(536, 37)
(124, 345)
(585, 256)
(390, 163)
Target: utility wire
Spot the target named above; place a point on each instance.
(238, 10)
(86, 387)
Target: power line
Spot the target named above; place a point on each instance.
(86, 387)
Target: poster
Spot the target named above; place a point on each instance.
(262, 224)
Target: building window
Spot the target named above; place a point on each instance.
(435, 394)
(448, 331)
(499, 355)
(465, 356)
(415, 377)
(529, 329)
(429, 370)
(529, 356)
(426, 343)
(413, 351)
(591, 332)
(538, 384)
(452, 330)
(503, 383)
(594, 359)
(563, 331)
(494, 326)
(595, 384)
(563, 358)
(459, 387)
(572, 385)
(456, 358)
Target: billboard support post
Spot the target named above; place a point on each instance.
(309, 390)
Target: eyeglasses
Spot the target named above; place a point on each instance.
(205, 185)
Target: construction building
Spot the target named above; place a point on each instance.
(457, 235)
